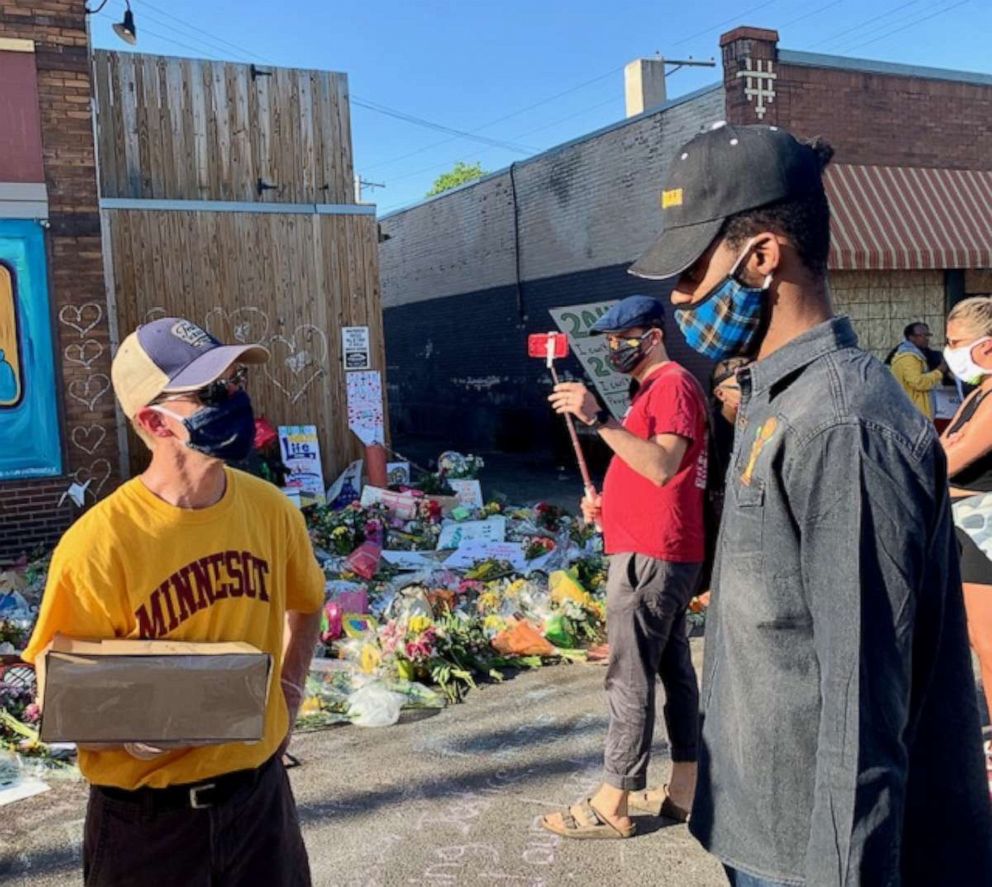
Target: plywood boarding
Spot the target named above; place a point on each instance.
(288, 281)
(191, 129)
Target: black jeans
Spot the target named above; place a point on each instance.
(253, 837)
(646, 601)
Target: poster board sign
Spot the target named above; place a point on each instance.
(591, 351)
(301, 455)
(355, 348)
(365, 406)
(468, 492)
(350, 480)
(475, 550)
(454, 534)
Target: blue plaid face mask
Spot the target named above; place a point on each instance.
(724, 323)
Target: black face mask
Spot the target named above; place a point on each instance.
(225, 431)
(627, 357)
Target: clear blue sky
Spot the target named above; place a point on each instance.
(468, 64)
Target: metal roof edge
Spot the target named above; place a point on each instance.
(870, 66)
(627, 121)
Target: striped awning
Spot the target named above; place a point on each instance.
(892, 218)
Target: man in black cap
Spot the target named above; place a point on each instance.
(651, 512)
(840, 739)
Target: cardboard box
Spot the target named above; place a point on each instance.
(116, 691)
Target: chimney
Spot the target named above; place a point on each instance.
(644, 85)
(750, 72)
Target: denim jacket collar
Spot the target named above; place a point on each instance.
(829, 336)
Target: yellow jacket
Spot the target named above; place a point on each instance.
(910, 369)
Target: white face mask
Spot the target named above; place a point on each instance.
(960, 363)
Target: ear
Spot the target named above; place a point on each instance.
(720, 394)
(152, 423)
(982, 354)
(766, 255)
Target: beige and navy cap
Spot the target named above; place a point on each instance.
(172, 356)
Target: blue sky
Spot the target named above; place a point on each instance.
(528, 74)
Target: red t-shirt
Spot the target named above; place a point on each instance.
(638, 516)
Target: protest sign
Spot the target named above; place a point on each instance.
(365, 407)
(301, 455)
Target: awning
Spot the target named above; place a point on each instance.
(892, 218)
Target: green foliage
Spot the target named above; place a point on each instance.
(460, 174)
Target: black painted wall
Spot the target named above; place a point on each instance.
(458, 370)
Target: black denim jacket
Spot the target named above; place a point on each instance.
(840, 735)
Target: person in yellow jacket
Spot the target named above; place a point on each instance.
(191, 550)
(909, 365)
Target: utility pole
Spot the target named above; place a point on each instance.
(644, 81)
(361, 185)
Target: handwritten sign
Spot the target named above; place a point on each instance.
(355, 348)
(468, 492)
(365, 407)
(476, 550)
(456, 533)
(301, 455)
(576, 321)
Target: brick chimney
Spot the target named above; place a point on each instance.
(644, 85)
(750, 63)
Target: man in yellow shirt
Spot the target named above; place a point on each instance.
(191, 550)
(909, 366)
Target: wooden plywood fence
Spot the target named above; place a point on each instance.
(289, 281)
(190, 129)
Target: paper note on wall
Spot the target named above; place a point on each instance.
(365, 406)
(591, 352)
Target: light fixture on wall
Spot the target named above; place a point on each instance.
(125, 29)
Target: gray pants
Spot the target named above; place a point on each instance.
(646, 601)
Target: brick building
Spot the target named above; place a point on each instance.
(466, 275)
(57, 417)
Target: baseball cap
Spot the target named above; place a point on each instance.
(630, 312)
(721, 172)
(172, 356)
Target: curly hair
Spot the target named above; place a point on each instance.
(804, 221)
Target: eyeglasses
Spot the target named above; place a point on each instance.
(615, 343)
(220, 390)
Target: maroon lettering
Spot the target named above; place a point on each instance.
(163, 590)
(246, 562)
(261, 568)
(232, 560)
(188, 603)
(220, 591)
(151, 626)
(202, 577)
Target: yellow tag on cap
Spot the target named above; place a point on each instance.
(671, 198)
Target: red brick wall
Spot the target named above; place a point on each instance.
(30, 516)
(869, 118)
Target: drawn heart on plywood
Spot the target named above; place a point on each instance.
(154, 314)
(84, 353)
(246, 325)
(82, 318)
(88, 437)
(304, 354)
(89, 390)
(98, 473)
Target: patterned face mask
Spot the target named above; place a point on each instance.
(726, 320)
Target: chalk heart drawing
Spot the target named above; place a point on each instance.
(303, 354)
(246, 325)
(83, 318)
(98, 473)
(90, 389)
(155, 314)
(88, 438)
(84, 353)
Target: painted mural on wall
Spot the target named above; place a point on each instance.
(30, 444)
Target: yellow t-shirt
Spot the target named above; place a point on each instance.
(136, 567)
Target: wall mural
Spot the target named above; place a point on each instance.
(30, 444)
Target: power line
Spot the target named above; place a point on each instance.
(911, 24)
(861, 24)
(806, 15)
(146, 5)
(150, 33)
(737, 18)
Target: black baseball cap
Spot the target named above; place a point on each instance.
(721, 172)
(634, 311)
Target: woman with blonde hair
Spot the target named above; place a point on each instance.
(968, 445)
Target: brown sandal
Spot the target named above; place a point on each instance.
(593, 824)
(666, 807)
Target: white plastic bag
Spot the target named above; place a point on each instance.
(375, 706)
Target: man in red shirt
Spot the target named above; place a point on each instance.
(651, 512)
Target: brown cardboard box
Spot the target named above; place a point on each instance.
(117, 691)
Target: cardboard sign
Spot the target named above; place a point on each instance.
(355, 348)
(301, 455)
(476, 550)
(468, 492)
(591, 351)
(365, 407)
(455, 534)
